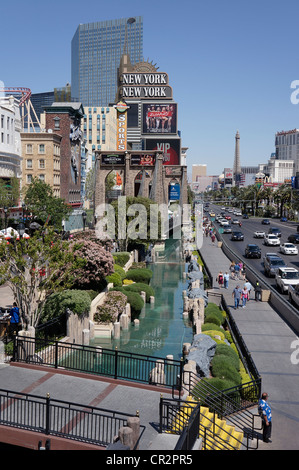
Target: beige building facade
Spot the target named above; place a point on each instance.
(99, 131)
(41, 159)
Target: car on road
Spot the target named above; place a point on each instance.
(237, 236)
(285, 277)
(294, 238)
(227, 217)
(224, 222)
(252, 251)
(227, 229)
(288, 249)
(259, 234)
(212, 214)
(235, 221)
(272, 240)
(275, 231)
(245, 216)
(294, 294)
(266, 222)
(272, 263)
(283, 219)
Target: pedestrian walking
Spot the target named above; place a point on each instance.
(248, 287)
(213, 238)
(237, 296)
(220, 279)
(236, 271)
(226, 280)
(266, 414)
(243, 272)
(258, 291)
(244, 296)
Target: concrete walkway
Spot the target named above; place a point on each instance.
(271, 343)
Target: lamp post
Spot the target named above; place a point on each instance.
(84, 219)
(5, 218)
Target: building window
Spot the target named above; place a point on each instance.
(42, 163)
(29, 163)
(41, 177)
(29, 148)
(56, 123)
(41, 148)
(29, 179)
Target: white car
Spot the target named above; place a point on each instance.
(259, 234)
(286, 277)
(235, 221)
(288, 249)
(272, 240)
(224, 222)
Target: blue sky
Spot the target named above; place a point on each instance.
(230, 64)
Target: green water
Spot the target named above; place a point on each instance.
(162, 330)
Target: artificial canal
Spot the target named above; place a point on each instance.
(162, 330)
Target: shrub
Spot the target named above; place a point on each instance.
(213, 317)
(119, 270)
(140, 264)
(128, 282)
(222, 367)
(228, 351)
(211, 326)
(214, 333)
(121, 258)
(115, 279)
(139, 287)
(112, 307)
(201, 391)
(134, 299)
(78, 301)
(140, 275)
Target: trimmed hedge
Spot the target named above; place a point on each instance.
(115, 279)
(119, 270)
(78, 301)
(139, 287)
(140, 275)
(134, 299)
(121, 258)
(223, 368)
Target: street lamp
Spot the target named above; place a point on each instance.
(5, 218)
(84, 219)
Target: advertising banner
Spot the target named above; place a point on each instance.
(174, 192)
(159, 118)
(113, 159)
(144, 160)
(171, 149)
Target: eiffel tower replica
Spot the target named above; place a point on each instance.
(237, 164)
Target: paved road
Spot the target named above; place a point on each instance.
(249, 226)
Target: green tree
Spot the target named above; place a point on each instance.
(37, 267)
(42, 203)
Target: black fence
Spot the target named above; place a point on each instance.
(96, 360)
(68, 420)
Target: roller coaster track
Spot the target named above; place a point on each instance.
(24, 95)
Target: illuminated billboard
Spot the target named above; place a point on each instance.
(159, 118)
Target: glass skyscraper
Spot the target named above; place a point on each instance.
(96, 53)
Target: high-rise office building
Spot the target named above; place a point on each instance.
(96, 52)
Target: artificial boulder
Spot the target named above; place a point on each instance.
(202, 352)
(197, 293)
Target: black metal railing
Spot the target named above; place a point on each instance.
(185, 419)
(68, 420)
(96, 360)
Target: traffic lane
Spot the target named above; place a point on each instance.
(249, 226)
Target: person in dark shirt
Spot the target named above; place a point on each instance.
(14, 318)
(258, 291)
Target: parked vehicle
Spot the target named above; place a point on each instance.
(252, 251)
(271, 240)
(272, 264)
(237, 236)
(294, 238)
(285, 277)
(288, 249)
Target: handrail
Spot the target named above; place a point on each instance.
(69, 420)
(100, 361)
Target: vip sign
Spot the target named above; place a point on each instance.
(121, 108)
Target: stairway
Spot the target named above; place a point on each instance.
(215, 432)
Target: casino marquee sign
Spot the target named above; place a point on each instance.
(145, 86)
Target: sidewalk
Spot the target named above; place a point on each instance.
(269, 340)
